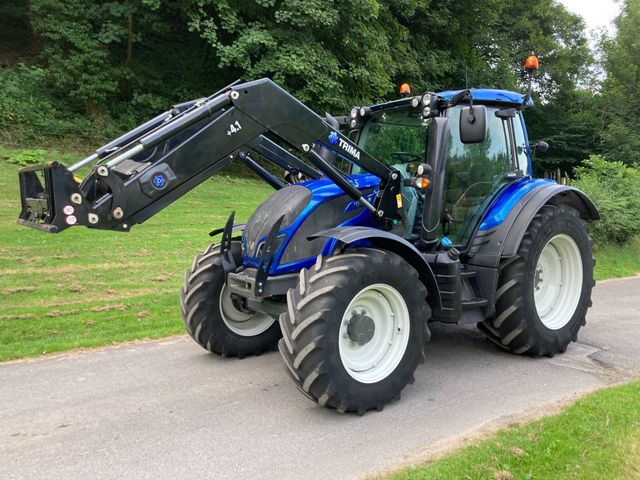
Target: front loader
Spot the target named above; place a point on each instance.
(436, 218)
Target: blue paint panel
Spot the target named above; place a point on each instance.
(489, 95)
(322, 190)
(508, 198)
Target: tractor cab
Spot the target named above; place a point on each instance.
(472, 172)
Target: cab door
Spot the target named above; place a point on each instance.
(475, 173)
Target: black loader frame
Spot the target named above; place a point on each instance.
(145, 170)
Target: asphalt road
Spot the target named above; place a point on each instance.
(167, 409)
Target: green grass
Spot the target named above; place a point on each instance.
(596, 438)
(618, 262)
(85, 288)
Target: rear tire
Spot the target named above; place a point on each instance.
(354, 330)
(211, 317)
(544, 291)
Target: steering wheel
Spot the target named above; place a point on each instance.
(471, 187)
(406, 157)
(294, 177)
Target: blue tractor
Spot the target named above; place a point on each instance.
(418, 210)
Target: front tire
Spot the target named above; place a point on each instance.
(544, 291)
(211, 315)
(354, 330)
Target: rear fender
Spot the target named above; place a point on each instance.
(392, 243)
(503, 241)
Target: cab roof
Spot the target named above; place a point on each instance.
(489, 95)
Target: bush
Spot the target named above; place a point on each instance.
(614, 188)
(33, 111)
(27, 156)
(28, 111)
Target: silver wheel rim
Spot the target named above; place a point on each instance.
(242, 323)
(379, 356)
(558, 281)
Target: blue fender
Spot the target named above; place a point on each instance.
(502, 240)
(392, 243)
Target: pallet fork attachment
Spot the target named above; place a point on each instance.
(143, 171)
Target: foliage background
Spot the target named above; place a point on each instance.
(89, 68)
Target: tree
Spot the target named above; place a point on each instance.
(620, 90)
(130, 58)
(78, 36)
(330, 53)
(570, 124)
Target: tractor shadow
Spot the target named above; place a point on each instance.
(458, 358)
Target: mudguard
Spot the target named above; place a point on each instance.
(502, 241)
(393, 243)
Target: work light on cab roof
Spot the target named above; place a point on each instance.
(531, 63)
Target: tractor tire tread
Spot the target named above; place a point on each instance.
(512, 328)
(198, 307)
(310, 309)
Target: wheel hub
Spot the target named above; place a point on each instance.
(240, 304)
(374, 333)
(538, 280)
(239, 319)
(361, 327)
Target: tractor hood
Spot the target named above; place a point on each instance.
(306, 208)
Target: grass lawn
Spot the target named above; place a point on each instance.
(617, 262)
(84, 288)
(596, 438)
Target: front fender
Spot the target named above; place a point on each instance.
(392, 243)
(490, 246)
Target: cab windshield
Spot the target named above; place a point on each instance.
(399, 139)
(395, 138)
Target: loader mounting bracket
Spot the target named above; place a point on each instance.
(226, 257)
(268, 250)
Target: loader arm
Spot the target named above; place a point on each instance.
(140, 173)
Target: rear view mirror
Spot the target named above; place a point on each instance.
(540, 147)
(473, 124)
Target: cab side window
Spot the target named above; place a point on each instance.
(521, 144)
